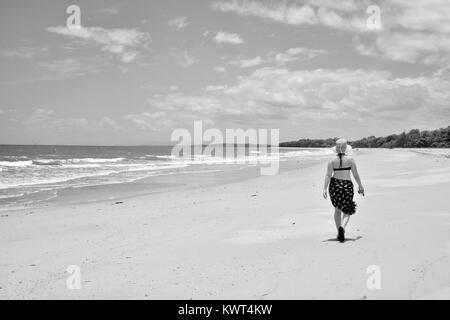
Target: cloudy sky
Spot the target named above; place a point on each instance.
(137, 70)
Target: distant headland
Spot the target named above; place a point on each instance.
(439, 138)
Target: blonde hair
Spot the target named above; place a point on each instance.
(341, 147)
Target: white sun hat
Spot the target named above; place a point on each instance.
(342, 147)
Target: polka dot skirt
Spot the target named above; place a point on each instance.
(341, 194)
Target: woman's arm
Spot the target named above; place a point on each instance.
(327, 179)
(357, 177)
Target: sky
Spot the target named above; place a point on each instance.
(134, 71)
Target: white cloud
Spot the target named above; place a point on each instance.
(153, 121)
(215, 88)
(72, 123)
(311, 13)
(29, 118)
(178, 23)
(279, 58)
(411, 31)
(185, 60)
(219, 69)
(225, 37)
(110, 11)
(42, 117)
(108, 123)
(280, 12)
(247, 63)
(422, 15)
(48, 119)
(278, 97)
(342, 5)
(25, 52)
(331, 19)
(123, 43)
(129, 56)
(409, 47)
(70, 68)
(273, 96)
(293, 54)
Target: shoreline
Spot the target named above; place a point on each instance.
(160, 183)
(271, 237)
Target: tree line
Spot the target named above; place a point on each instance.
(439, 138)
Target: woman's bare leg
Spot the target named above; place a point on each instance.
(345, 220)
(337, 217)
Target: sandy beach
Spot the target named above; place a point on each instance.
(272, 237)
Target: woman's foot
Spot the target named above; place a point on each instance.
(341, 234)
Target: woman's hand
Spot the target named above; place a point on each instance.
(361, 190)
(325, 194)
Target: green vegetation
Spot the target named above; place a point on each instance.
(415, 138)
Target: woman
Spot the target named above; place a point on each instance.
(339, 183)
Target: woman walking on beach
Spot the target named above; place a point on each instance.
(340, 186)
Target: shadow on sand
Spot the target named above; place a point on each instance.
(346, 239)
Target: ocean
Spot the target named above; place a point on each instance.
(44, 175)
